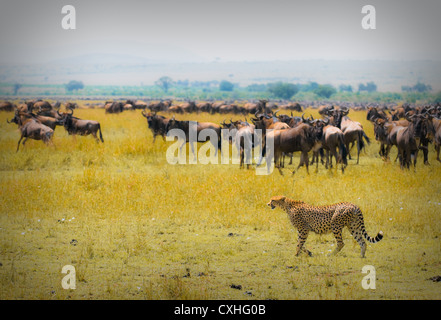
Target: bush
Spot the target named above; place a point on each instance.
(325, 90)
(282, 90)
(74, 85)
(226, 86)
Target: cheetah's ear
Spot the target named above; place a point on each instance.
(282, 198)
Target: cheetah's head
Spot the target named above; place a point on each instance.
(275, 201)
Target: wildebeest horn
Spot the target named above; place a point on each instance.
(275, 113)
(143, 113)
(71, 111)
(326, 121)
(303, 119)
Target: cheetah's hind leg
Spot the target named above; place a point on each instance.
(358, 236)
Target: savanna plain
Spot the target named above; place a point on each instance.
(136, 227)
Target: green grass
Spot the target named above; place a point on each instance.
(150, 230)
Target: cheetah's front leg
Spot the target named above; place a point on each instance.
(302, 238)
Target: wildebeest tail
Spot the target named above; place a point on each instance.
(361, 143)
(101, 135)
(343, 151)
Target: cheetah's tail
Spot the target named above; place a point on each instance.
(370, 239)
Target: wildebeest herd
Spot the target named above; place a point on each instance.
(37, 120)
(409, 128)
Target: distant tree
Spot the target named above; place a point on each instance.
(406, 88)
(308, 87)
(325, 90)
(369, 87)
(418, 87)
(164, 82)
(225, 85)
(282, 90)
(255, 87)
(74, 85)
(421, 87)
(16, 87)
(344, 87)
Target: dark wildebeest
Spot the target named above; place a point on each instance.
(185, 127)
(245, 141)
(295, 106)
(353, 132)
(373, 114)
(385, 133)
(31, 128)
(259, 106)
(303, 138)
(333, 140)
(74, 126)
(188, 107)
(7, 106)
(114, 107)
(157, 124)
(437, 139)
(48, 121)
(408, 139)
(427, 133)
(138, 104)
(203, 107)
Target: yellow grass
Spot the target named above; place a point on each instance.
(146, 229)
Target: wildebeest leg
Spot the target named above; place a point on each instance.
(349, 150)
(192, 150)
(335, 154)
(437, 149)
(241, 157)
(303, 161)
(18, 145)
(424, 146)
(277, 156)
(248, 157)
(95, 136)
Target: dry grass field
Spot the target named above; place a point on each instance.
(136, 227)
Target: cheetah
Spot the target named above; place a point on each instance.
(324, 219)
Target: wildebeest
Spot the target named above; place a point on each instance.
(31, 128)
(437, 138)
(245, 141)
(74, 126)
(353, 132)
(7, 106)
(113, 107)
(302, 138)
(409, 139)
(185, 127)
(138, 104)
(159, 106)
(295, 106)
(373, 114)
(333, 140)
(157, 124)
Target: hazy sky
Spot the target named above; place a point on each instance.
(30, 31)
